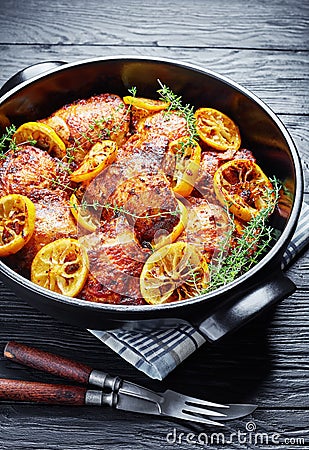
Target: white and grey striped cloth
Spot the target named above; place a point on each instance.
(158, 352)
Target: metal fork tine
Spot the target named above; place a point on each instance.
(192, 400)
(203, 411)
(188, 416)
(132, 397)
(199, 402)
(190, 408)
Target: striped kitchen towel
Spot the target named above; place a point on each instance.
(158, 352)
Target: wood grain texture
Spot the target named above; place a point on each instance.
(47, 362)
(99, 428)
(50, 394)
(263, 46)
(199, 23)
(273, 76)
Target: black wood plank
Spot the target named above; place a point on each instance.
(280, 24)
(280, 79)
(262, 45)
(27, 427)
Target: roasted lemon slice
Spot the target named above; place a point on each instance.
(61, 266)
(17, 221)
(59, 125)
(142, 108)
(217, 130)
(164, 239)
(146, 103)
(100, 156)
(243, 187)
(174, 272)
(82, 215)
(44, 135)
(188, 158)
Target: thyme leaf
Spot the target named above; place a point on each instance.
(175, 104)
(122, 211)
(250, 246)
(6, 140)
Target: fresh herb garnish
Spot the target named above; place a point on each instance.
(120, 210)
(250, 246)
(98, 128)
(175, 105)
(7, 141)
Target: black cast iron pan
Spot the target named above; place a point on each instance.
(39, 90)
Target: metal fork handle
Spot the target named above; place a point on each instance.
(53, 394)
(135, 390)
(60, 366)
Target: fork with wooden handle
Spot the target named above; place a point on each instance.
(122, 394)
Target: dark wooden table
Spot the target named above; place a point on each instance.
(262, 45)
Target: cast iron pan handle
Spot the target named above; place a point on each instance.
(234, 314)
(28, 73)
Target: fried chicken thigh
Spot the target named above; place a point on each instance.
(116, 260)
(53, 221)
(149, 203)
(207, 226)
(163, 123)
(29, 168)
(136, 185)
(34, 173)
(83, 123)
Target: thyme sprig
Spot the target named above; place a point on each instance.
(250, 246)
(84, 205)
(56, 181)
(8, 142)
(176, 105)
(101, 123)
(98, 129)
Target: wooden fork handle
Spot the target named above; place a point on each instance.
(47, 362)
(52, 394)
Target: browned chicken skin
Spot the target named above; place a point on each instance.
(207, 225)
(33, 172)
(85, 122)
(143, 151)
(116, 260)
(28, 169)
(136, 186)
(53, 221)
(163, 123)
(149, 204)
